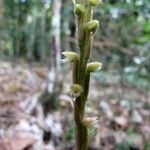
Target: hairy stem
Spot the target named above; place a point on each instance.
(84, 41)
(86, 30)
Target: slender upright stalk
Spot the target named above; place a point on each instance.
(86, 28)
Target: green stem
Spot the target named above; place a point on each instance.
(81, 131)
(75, 72)
(82, 142)
(80, 76)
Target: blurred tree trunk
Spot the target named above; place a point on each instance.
(11, 6)
(39, 40)
(43, 33)
(1, 13)
(21, 40)
(54, 83)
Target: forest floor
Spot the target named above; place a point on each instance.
(123, 113)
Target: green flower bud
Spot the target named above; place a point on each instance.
(92, 26)
(76, 90)
(79, 10)
(93, 67)
(70, 56)
(94, 2)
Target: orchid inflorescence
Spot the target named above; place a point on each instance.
(82, 68)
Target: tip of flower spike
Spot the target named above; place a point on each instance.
(92, 26)
(79, 10)
(94, 2)
(70, 56)
(93, 67)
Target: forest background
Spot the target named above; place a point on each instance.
(34, 33)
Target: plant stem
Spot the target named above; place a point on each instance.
(84, 41)
(81, 76)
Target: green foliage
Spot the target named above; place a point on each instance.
(70, 133)
(123, 146)
(27, 25)
(126, 35)
(147, 145)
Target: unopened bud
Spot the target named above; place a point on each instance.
(93, 67)
(90, 122)
(94, 2)
(79, 10)
(70, 56)
(92, 26)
